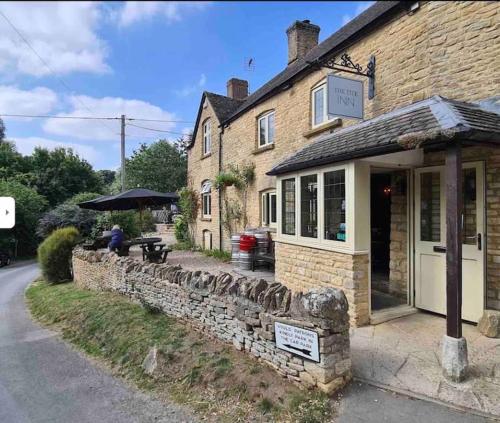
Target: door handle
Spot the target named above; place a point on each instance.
(479, 242)
(439, 249)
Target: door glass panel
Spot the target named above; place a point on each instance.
(469, 230)
(430, 205)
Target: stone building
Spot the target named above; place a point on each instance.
(364, 204)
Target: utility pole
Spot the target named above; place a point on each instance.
(123, 153)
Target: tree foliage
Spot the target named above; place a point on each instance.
(29, 207)
(2, 130)
(161, 166)
(107, 177)
(82, 196)
(66, 215)
(59, 174)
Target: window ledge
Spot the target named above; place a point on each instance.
(206, 219)
(263, 148)
(334, 123)
(204, 156)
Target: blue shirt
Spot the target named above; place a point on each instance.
(116, 237)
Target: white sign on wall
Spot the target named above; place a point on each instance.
(296, 340)
(345, 97)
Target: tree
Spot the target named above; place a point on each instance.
(12, 163)
(2, 131)
(29, 207)
(107, 176)
(59, 174)
(160, 166)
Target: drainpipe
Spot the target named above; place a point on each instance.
(221, 233)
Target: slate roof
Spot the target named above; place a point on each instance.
(223, 107)
(434, 120)
(336, 42)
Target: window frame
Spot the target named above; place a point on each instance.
(266, 117)
(207, 137)
(321, 242)
(326, 117)
(266, 210)
(206, 196)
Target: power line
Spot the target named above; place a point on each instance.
(61, 81)
(89, 118)
(60, 117)
(155, 130)
(160, 120)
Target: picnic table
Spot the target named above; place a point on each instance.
(153, 250)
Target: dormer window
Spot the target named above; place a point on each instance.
(266, 129)
(207, 137)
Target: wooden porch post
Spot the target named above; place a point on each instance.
(453, 174)
(454, 361)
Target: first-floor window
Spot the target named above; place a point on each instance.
(288, 206)
(269, 209)
(206, 199)
(334, 205)
(309, 206)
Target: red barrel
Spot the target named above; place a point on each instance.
(247, 242)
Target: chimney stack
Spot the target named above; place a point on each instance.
(302, 37)
(237, 88)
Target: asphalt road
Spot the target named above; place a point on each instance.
(44, 380)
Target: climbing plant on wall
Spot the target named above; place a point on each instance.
(234, 211)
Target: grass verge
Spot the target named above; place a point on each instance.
(213, 379)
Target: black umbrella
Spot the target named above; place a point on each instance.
(133, 199)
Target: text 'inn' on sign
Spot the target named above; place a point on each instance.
(296, 340)
(345, 97)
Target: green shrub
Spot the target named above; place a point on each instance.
(81, 197)
(65, 215)
(127, 220)
(181, 230)
(54, 254)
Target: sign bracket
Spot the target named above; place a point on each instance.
(347, 65)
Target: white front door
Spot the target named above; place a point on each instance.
(430, 240)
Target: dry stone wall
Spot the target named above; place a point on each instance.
(234, 309)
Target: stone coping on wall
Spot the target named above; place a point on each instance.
(235, 309)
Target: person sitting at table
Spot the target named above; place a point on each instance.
(117, 236)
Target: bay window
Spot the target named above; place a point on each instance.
(334, 205)
(317, 204)
(309, 206)
(266, 129)
(269, 216)
(288, 206)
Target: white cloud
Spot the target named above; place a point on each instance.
(191, 89)
(62, 33)
(39, 100)
(26, 146)
(173, 11)
(360, 8)
(99, 130)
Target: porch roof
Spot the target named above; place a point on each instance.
(432, 121)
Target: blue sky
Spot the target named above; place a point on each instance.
(144, 59)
